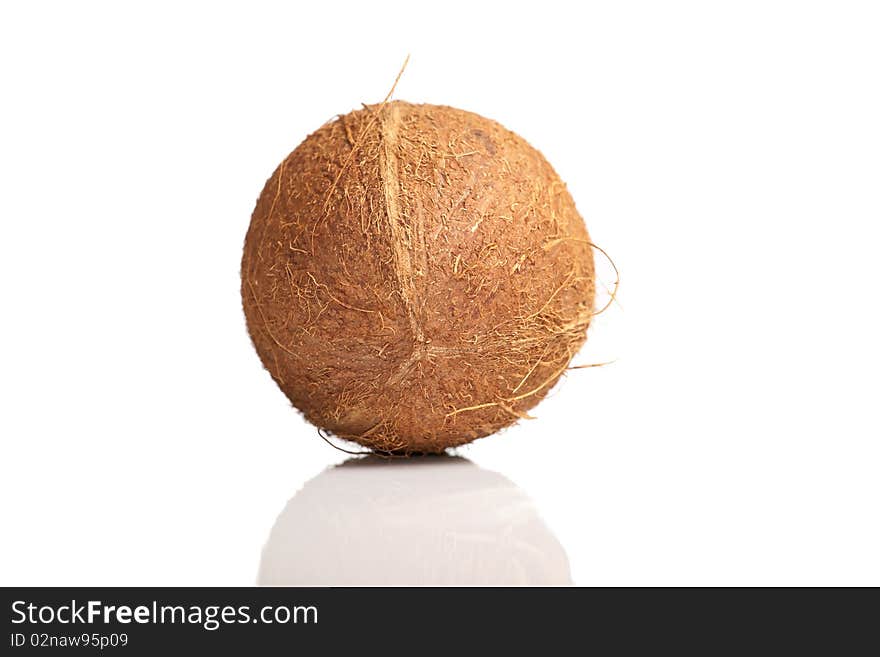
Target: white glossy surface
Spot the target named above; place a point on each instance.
(438, 522)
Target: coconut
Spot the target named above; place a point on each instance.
(416, 277)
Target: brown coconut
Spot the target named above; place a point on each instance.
(416, 277)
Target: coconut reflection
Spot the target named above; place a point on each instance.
(432, 521)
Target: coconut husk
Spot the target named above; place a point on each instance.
(416, 277)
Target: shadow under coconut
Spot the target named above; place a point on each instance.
(431, 521)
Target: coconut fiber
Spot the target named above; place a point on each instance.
(416, 277)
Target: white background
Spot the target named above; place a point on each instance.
(726, 154)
